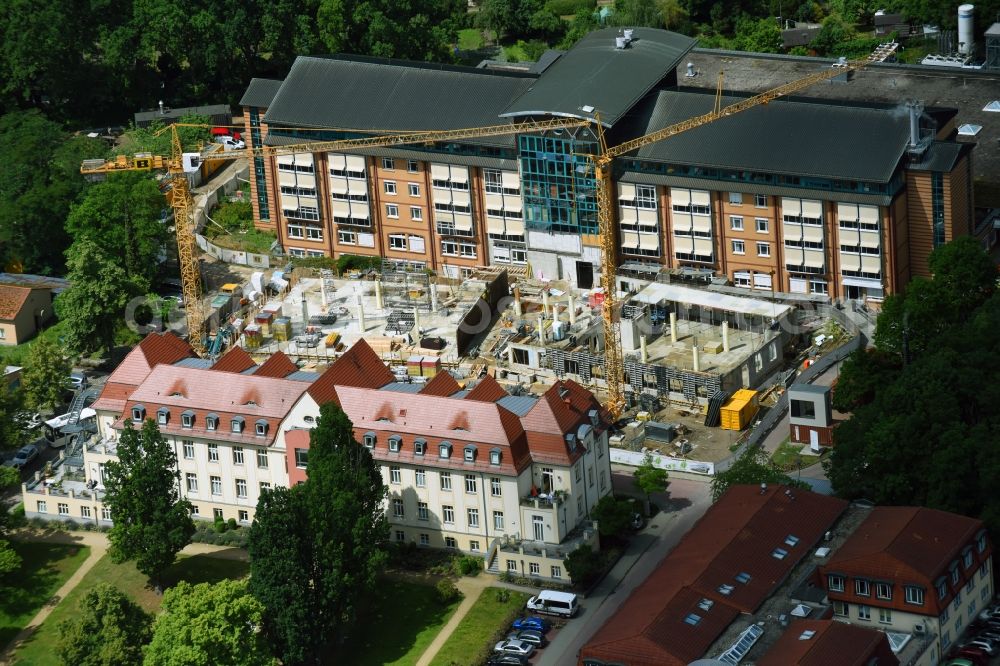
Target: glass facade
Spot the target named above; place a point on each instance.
(258, 166)
(557, 183)
(937, 204)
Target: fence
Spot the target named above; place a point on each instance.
(232, 256)
(635, 458)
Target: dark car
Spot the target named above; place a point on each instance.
(532, 622)
(976, 656)
(24, 456)
(529, 636)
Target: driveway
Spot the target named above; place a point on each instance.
(684, 503)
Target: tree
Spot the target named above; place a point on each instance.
(672, 13)
(10, 561)
(13, 434)
(834, 31)
(752, 467)
(151, 521)
(45, 377)
(613, 516)
(649, 479)
(584, 565)
(582, 24)
(758, 35)
(315, 550)
(93, 306)
(637, 13)
(122, 216)
(414, 29)
(862, 374)
(208, 624)
(500, 17)
(109, 629)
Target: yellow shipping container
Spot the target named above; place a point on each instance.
(739, 410)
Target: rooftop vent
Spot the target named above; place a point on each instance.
(706, 604)
(806, 635)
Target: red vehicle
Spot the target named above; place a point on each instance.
(220, 131)
(975, 655)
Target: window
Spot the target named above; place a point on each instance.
(495, 457)
(534, 569)
(736, 223)
(693, 619)
(841, 609)
(743, 577)
(862, 587)
(192, 482)
(237, 455)
(735, 198)
(579, 473)
(412, 166)
(400, 536)
(864, 612)
(394, 443)
(189, 450)
(791, 540)
(557, 572)
(885, 616)
(972, 608)
(739, 247)
(984, 570)
(216, 485)
(779, 553)
(213, 453)
(260, 427)
(444, 450)
(763, 249)
(761, 224)
(760, 201)
(981, 541)
(512, 565)
(835, 583)
(162, 415)
(395, 476)
(419, 446)
(392, 210)
(422, 511)
(954, 573)
(470, 454)
(105, 512)
(883, 590)
(211, 422)
(425, 539)
(244, 516)
(496, 488)
(397, 508)
(645, 196)
(414, 190)
(945, 639)
(590, 477)
(264, 486)
(421, 477)
(138, 413)
(448, 514)
(445, 480)
(802, 409)
(450, 542)
(387, 163)
(474, 545)
(370, 440)
(262, 459)
(63, 509)
(473, 516)
(236, 425)
(416, 213)
(241, 488)
(302, 458)
(187, 419)
(817, 287)
(85, 512)
(389, 186)
(470, 483)
(967, 557)
(498, 520)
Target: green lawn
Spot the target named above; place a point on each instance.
(486, 617)
(37, 650)
(18, 354)
(45, 567)
(789, 456)
(470, 39)
(406, 618)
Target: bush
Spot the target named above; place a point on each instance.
(584, 565)
(231, 523)
(17, 518)
(468, 565)
(503, 595)
(447, 592)
(569, 7)
(220, 525)
(70, 525)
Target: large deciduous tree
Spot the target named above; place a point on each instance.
(45, 377)
(315, 549)
(209, 624)
(12, 431)
(10, 561)
(152, 523)
(751, 467)
(108, 629)
(410, 29)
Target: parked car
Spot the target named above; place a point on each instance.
(529, 636)
(990, 613)
(989, 634)
(961, 661)
(532, 622)
(228, 143)
(512, 646)
(986, 645)
(507, 660)
(78, 380)
(975, 655)
(29, 420)
(24, 456)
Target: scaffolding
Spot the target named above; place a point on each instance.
(403, 288)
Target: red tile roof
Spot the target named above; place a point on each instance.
(12, 300)
(443, 384)
(487, 390)
(360, 366)
(561, 410)
(832, 643)
(155, 349)
(737, 534)
(279, 365)
(234, 360)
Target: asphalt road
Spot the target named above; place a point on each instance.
(682, 505)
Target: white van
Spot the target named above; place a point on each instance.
(554, 603)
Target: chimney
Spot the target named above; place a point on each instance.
(915, 108)
(161, 107)
(690, 71)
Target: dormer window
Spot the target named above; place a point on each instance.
(594, 416)
(967, 557)
(395, 441)
(187, 419)
(495, 455)
(571, 442)
(162, 415)
(236, 425)
(981, 541)
(369, 440)
(138, 413)
(444, 450)
(470, 453)
(212, 422)
(419, 446)
(260, 427)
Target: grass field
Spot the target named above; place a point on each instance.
(37, 651)
(470, 39)
(789, 456)
(486, 617)
(17, 354)
(405, 620)
(45, 567)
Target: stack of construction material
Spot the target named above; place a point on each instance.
(739, 410)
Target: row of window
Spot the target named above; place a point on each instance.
(309, 231)
(456, 249)
(188, 417)
(389, 164)
(416, 212)
(346, 173)
(762, 224)
(215, 483)
(447, 514)
(295, 168)
(298, 191)
(763, 249)
(62, 509)
(645, 197)
(395, 445)
(420, 480)
(389, 187)
(237, 452)
(244, 515)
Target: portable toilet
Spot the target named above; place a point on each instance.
(739, 410)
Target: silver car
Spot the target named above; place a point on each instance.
(514, 646)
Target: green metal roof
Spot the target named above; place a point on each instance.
(595, 73)
(371, 94)
(260, 93)
(798, 137)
